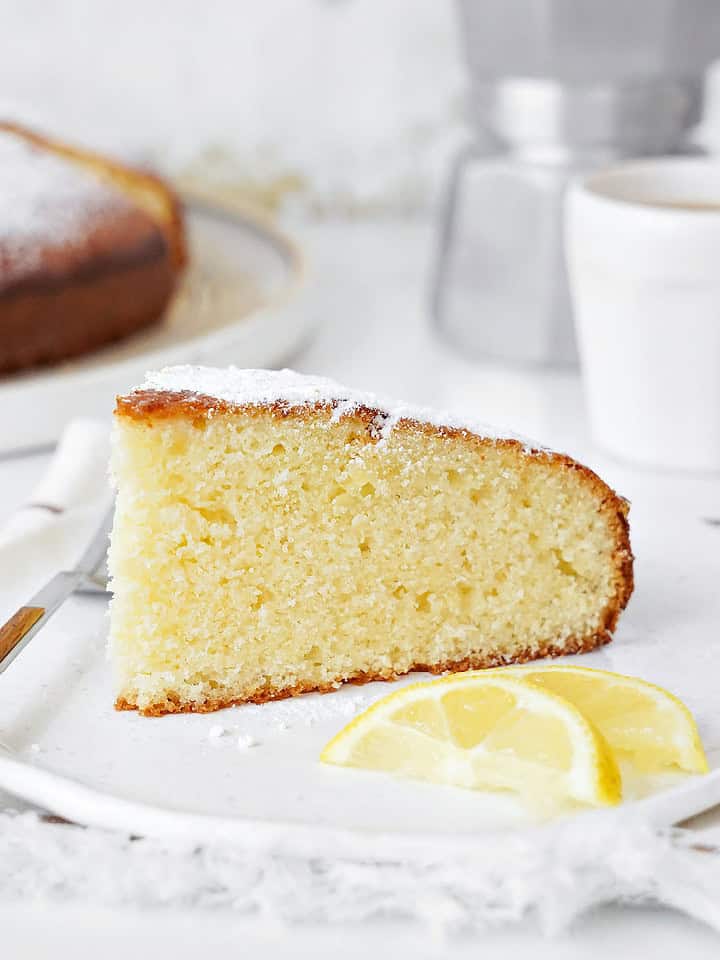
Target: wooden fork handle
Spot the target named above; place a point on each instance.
(25, 622)
(17, 627)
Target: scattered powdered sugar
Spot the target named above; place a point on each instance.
(291, 389)
(260, 721)
(312, 709)
(45, 199)
(246, 740)
(282, 716)
(353, 705)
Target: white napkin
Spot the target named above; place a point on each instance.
(49, 532)
(516, 879)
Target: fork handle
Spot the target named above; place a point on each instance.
(29, 619)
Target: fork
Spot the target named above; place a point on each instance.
(89, 575)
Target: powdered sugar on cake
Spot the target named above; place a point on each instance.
(44, 200)
(259, 387)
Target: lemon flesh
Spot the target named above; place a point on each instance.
(642, 723)
(483, 731)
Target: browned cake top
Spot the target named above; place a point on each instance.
(57, 220)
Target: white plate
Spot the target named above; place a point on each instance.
(68, 751)
(232, 307)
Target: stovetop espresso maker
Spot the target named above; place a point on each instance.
(557, 87)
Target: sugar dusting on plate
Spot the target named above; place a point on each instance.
(245, 741)
(311, 709)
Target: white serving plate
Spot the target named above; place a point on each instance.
(233, 307)
(67, 750)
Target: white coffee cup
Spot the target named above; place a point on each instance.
(643, 252)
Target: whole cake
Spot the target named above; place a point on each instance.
(277, 534)
(90, 251)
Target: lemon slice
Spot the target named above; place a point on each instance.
(483, 731)
(641, 722)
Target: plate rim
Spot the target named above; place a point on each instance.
(85, 805)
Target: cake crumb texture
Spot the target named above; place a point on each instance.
(265, 550)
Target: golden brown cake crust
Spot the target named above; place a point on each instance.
(149, 406)
(74, 296)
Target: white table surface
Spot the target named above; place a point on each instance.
(367, 288)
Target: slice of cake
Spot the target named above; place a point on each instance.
(277, 534)
(90, 250)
